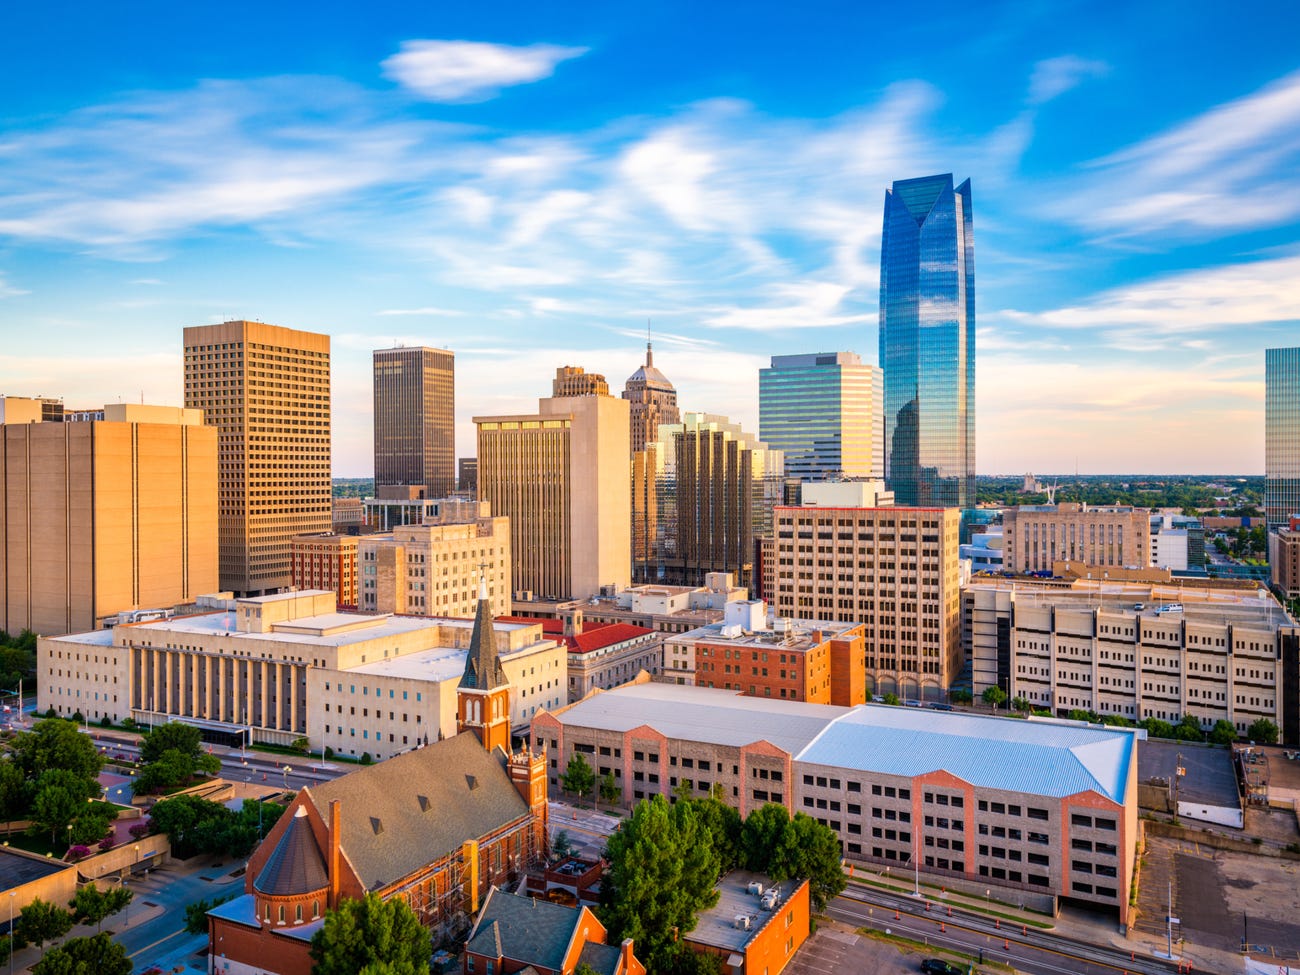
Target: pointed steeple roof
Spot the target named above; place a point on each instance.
(482, 665)
(295, 866)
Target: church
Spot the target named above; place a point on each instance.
(438, 826)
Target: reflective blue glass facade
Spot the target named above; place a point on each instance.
(927, 342)
(1281, 435)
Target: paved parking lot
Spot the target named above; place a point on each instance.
(836, 949)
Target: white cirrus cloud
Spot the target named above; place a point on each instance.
(7, 290)
(1053, 77)
(1251, 293)
(427, 312)
(467, 71)
(1230, 168)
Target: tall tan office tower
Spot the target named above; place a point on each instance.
(653, 401)
(415, 423)
(561, 477)
(103, 516)
(267, 391)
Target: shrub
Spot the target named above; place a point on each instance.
(329, 752)
(140, 830)
(107, 843)
(78, 852)
(366, 759)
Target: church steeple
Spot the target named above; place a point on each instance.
(482, 665)
(483, 697)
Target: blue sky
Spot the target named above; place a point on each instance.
(527, 184)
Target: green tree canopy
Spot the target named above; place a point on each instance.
(1262, 730)
(663, 870)
(610, 792)
(994, 696)
(1157, 728)
(367, 932)
(59, 797)
(579, 777)
(42, 921)
(172, 754)
(723, 825)
(92, 905)
(809, 849)
(1224, 732)
(1189, 729)
(97, 955)
(173, 736)
(56, 744)
(762, 831)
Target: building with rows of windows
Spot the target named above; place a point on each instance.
(1046, 809)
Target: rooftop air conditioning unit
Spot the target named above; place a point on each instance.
(742, 922)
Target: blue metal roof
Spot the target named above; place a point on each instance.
(1036, 757)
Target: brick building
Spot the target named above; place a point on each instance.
(515, 933)
(756, 927)
(1047, 809)
(796, 660)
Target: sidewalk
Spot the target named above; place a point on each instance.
(135, 914)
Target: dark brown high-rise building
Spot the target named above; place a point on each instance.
(267, 391)
(653, 400)
(415, 423)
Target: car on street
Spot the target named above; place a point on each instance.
(937, 966)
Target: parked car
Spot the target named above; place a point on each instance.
(937, 966)
(941, 707)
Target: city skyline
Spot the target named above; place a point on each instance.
(529, 195)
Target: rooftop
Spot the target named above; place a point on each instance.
(718, 926)
(703, 714)
(802, 634)
(524, 929)
(1046, 758)
(415, 808)
(1249, 606)
(18, 867)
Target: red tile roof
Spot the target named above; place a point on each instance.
(594, 636)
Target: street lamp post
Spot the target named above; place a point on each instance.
(287, 770)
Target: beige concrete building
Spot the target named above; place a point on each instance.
(1040, 810)
(896, 570)
(347, 515)
(1035, 536)
(576, 381)
(415, 422)
(102, 517)
(267, 390)
(327, 561)
(290, 665)
(1135, 650)
(434, 569)
(601, 655)
(561, 477)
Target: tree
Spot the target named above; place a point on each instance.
(196, 914)
(41, 921)
(1262, 730)
(97, 955)
(1157, 728)
(1020, 703)
(809, 849)
(91, 822)
(663, 871)
(1224, 732)
(724, 827)
(368, 932)
(891, 699)
(610, 793)
(172, 754)
(1189, 729)
(92, 905)
(960, 695)
(762, 831)
(578, 777)
(56, 744)
(60, 796)
(994, 696)
(561, 846)
(13, 793)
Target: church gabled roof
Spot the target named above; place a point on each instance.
(295, 866)
(482, 665)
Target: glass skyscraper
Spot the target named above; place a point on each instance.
(825, 412)
(927, 342)
(1281, 435)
